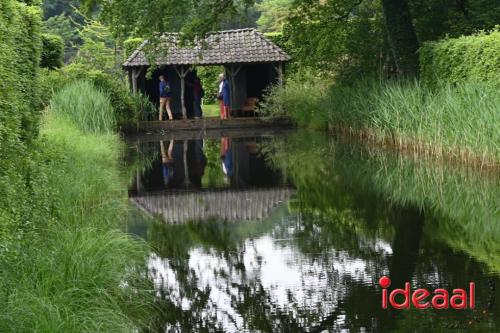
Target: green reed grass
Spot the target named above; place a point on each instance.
(450, 120)
(77, 272)
(85, 106)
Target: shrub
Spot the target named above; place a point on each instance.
(468, 58)
(52, 51)
(130, 45)
(209, 78)
(85, 106)
(302, 99)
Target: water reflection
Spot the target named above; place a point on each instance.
(311, 263)
(238, 165)
(194, 180)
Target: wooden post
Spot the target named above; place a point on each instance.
(182, 72)
(186, 173)
(136, 72)
(233, 72)
(134, 81)
(279, 69)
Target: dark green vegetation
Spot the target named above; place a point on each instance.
(469, 58)
(52, 51)
(65, 265)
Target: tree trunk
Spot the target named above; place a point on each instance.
(402, 37)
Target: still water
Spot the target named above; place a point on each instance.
(292, 233)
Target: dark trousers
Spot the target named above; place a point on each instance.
(197, 107)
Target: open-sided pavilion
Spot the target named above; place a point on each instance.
(250, 60)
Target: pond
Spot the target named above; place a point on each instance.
(292, 233)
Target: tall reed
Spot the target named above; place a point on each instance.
(76, 271)
(460, 120)
(84, 105)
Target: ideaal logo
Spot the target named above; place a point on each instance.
(422, 298)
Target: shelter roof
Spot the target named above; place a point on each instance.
(240, 46)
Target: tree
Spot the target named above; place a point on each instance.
(402, 37)
(62, 26)
(330, 37)
(346, 20)
(53, 8)
(273, 14)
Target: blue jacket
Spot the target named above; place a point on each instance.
(165, 89)
(226, 93)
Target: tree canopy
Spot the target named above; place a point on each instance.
(356, 36)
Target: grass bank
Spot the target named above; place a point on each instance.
(458, 121)
(75, 271)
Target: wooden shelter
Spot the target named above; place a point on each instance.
(251, 63)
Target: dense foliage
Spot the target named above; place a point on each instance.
(52, 51)
(62, 195)
(467, 58)
(273, 14)
(20, 50)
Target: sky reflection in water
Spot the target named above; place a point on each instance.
(312, 265)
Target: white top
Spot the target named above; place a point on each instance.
(220, 86)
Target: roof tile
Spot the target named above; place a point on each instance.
(223, 47)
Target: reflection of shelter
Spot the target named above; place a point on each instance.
(227, 204)
(251, 62)
(239, 159)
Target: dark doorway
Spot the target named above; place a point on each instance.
(258, 79)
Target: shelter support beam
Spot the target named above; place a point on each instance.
(279, 69)
(136, 73)
(232, 72)
(182, 71)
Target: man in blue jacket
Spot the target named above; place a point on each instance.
(165, 97)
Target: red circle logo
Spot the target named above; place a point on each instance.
(384, 282)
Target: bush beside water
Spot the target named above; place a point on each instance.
(453, 111)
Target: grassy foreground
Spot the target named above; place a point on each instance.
(76, 272)
(458, 121)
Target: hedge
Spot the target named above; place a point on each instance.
(473, 58)
(52, 51)
(21, 180)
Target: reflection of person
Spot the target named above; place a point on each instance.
(197, 162)
(224, 97)
(226, 156)
(167, 161)
(165, 97)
